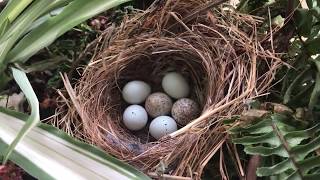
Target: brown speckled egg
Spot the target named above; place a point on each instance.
(185, 110)
(158, 104)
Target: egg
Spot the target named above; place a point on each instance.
(158, 104)
(161, 126)
(136, 92)
(135, 117)
(184, 110)
(175, 85)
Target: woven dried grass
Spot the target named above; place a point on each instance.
(217, 49)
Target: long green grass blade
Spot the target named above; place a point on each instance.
(12, 11)
(73, 14)
(17, 29)
(34, 118)
(57, 4)
(4, 26)
(48, 153)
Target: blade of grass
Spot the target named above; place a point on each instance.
(12, 11)
(50, 30)
(57, 4)
(34, 118)
(4, 26)
(17, 29)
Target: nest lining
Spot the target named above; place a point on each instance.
(217, 50)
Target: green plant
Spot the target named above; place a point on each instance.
(288, 146)
(30, 25)
(22, 35)
(48, 153)
(43, 151)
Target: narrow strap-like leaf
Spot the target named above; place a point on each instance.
(72, 14)
(12, 11)
(49, 153)
(19, 26)
(34, 118)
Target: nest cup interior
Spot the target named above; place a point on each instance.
(151, 67)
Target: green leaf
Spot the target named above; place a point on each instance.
(4, 27)
(303, 20)
(266, 151)
(12, 11)
(4, 79)
(257, 128)
(311, 177)
(269, 138)
(310, 3)
(276, 169)
(43, 65)
(309, 164)
(50, 30)
(296, 137)
(313, 46)
(17, 29)
(291, 147)
(288, 94)
(57, 4)
(34, 118)
(48, 153)
(316, 12)
(301, 151)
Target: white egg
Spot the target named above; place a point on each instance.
(135, 117)
(135, 92)
(175, 85)
(161, 126)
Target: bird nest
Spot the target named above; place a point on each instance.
(217, 49)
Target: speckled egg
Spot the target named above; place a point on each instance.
(185, 110)
(158, 104)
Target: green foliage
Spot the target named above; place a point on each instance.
(300, 86)
(303, 80)
(25, 28)
(287, 146)
(34, 118)
(48, 153)
(28, 26)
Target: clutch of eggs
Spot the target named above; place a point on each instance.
(158, 105)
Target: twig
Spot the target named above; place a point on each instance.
(271, 31)
(204, 8)
(253, 164)
(167, 176)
